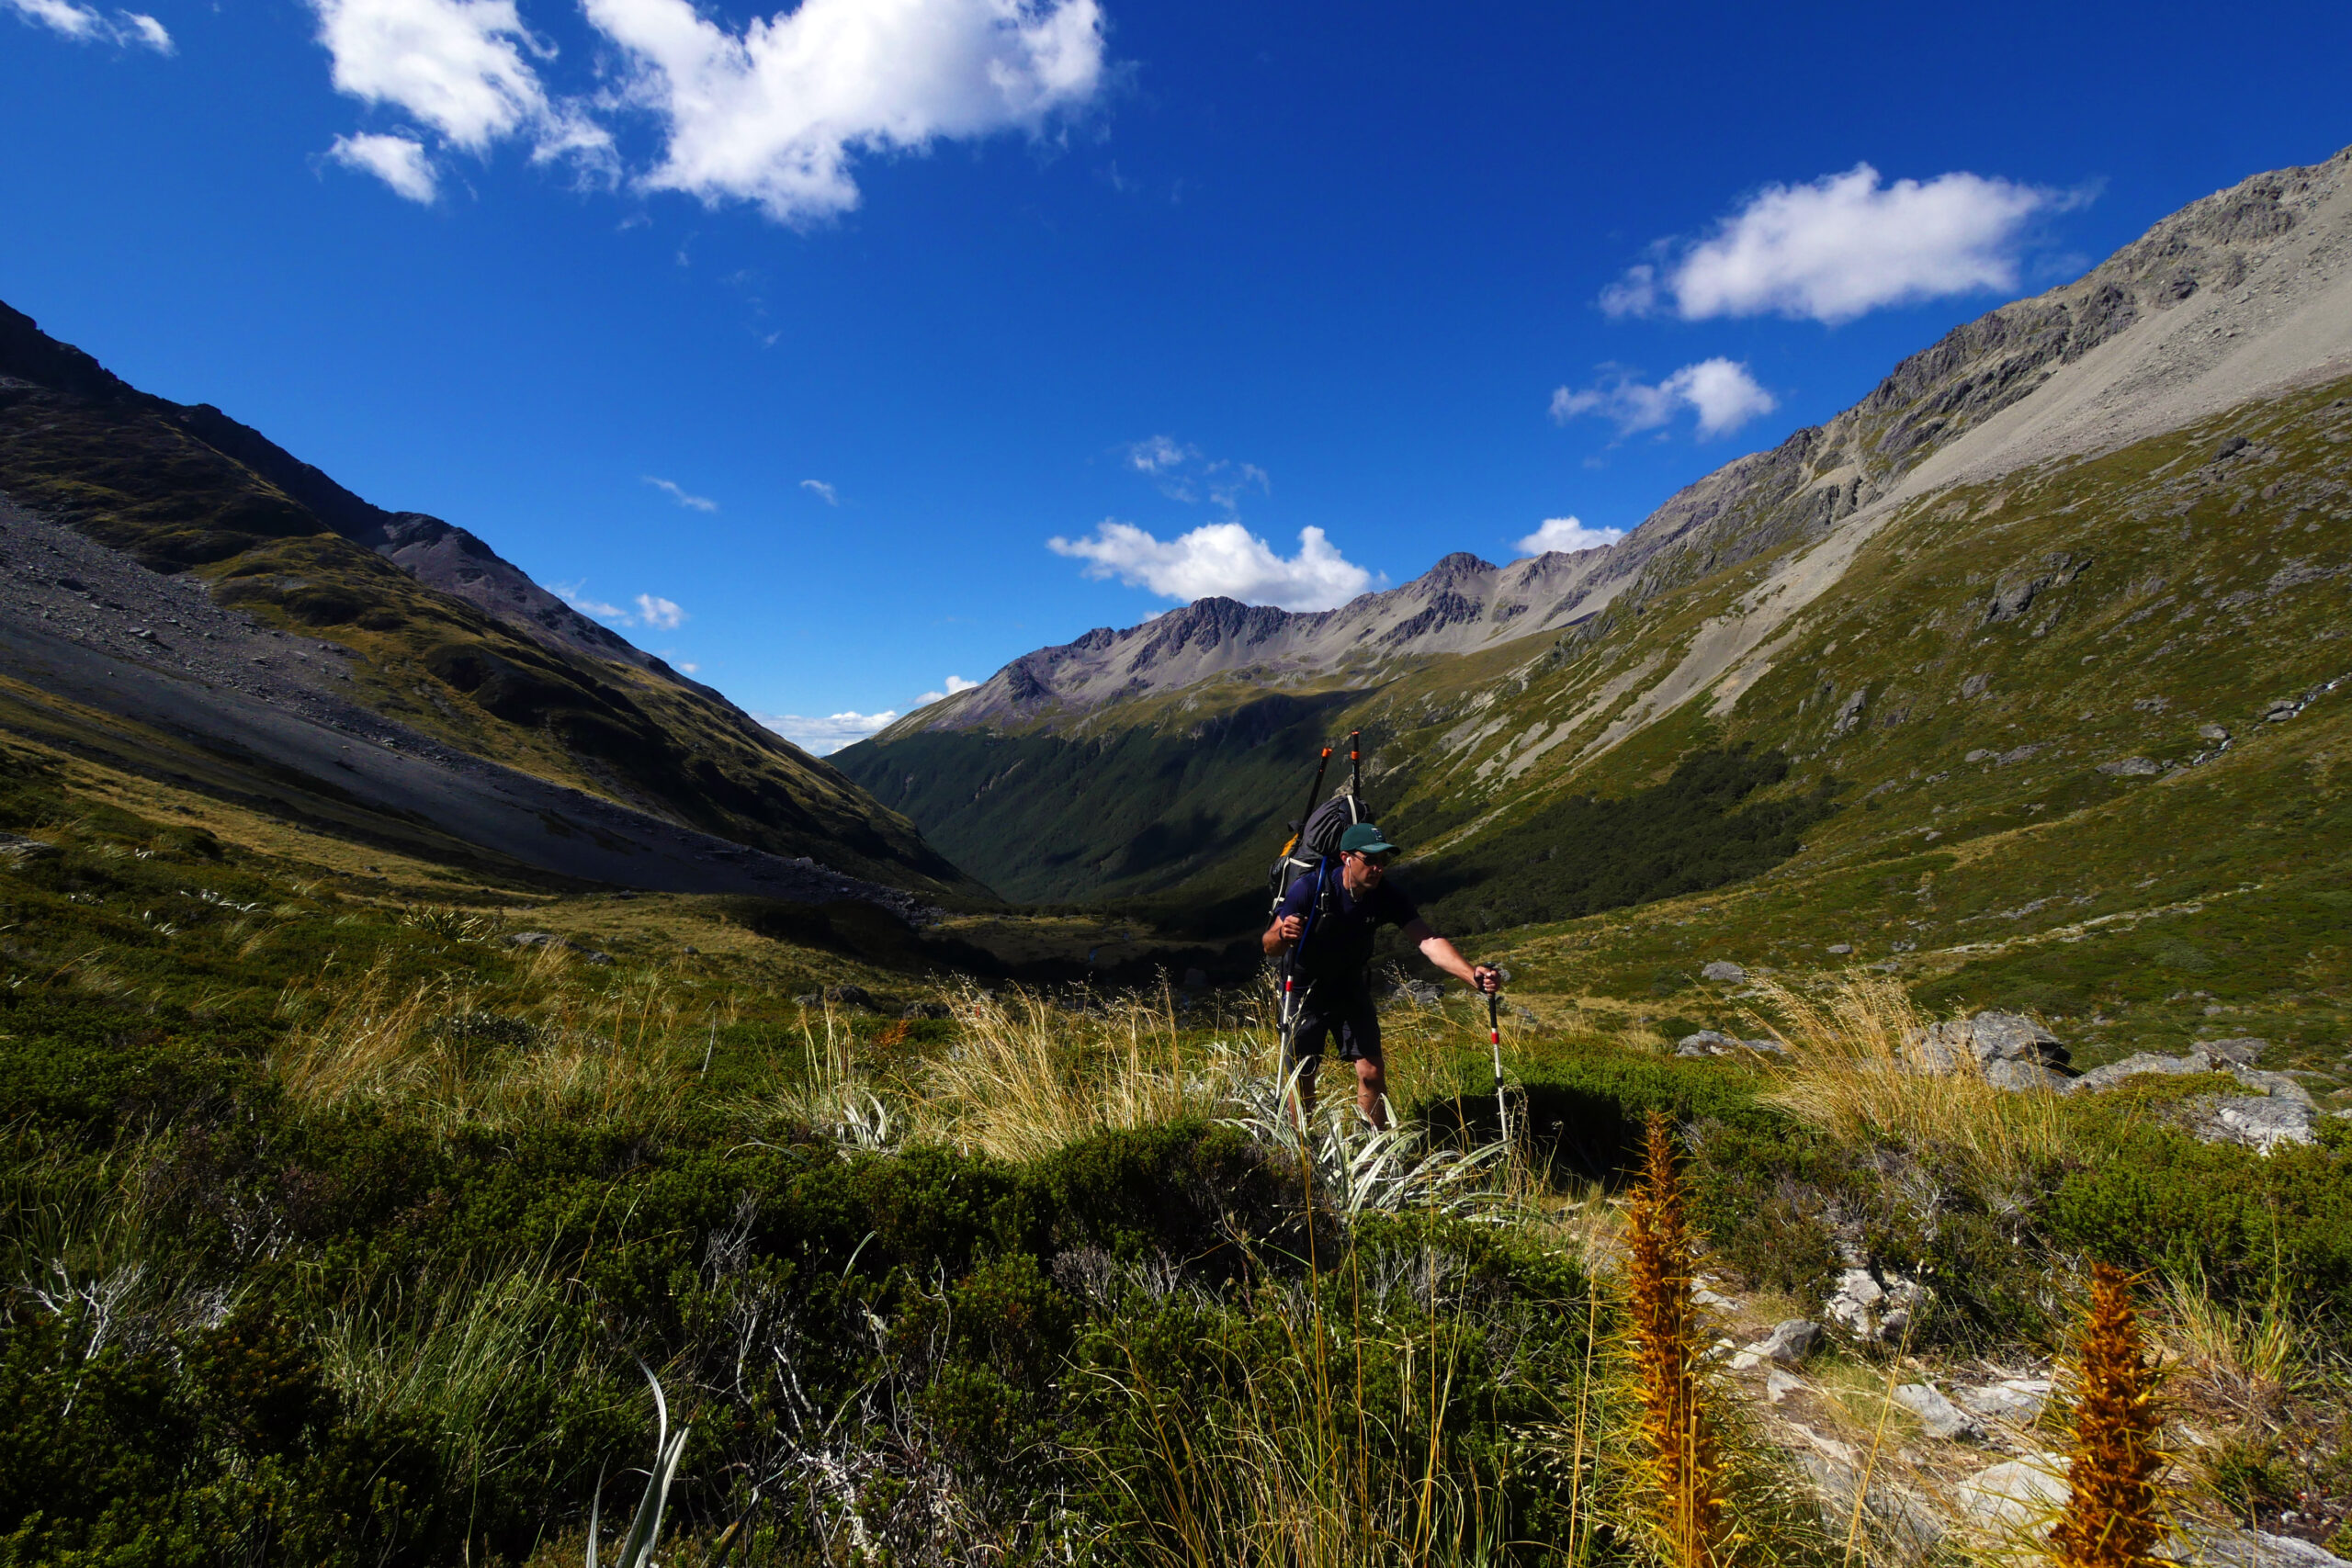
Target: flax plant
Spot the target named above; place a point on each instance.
(2114, 1506)
(1679, 1447)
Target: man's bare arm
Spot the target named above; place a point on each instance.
(1444, 954)
(1281, 934)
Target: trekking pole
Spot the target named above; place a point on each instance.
(1283, 1015)
(1495, 1039)
(1313, 790)
(1355, 768)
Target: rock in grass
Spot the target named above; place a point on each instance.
(1730, 973)
(1790, 1341)
(2212, 1548)
(22, 852)
(2261, 1124)
(2131, 768)
(1779, 1385)
(537, 938)
(1939, 1416)
(2018, 1401)
(2024, 1494)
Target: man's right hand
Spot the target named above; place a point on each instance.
(1288, 927)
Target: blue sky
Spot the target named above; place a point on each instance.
(794, 340)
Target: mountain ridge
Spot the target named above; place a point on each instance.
(438, 641)
(1814, 479)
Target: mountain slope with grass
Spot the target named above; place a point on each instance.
(262, 618)
(1996, 603)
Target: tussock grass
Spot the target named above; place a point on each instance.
(433, 1051)
(1027, 1077)
(1860, 1070)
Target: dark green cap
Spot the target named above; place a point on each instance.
(1365, 839)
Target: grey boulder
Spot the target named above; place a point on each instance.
(1730, 973)
(1939, 1416)
(2017, 1401)
(1790, 1341)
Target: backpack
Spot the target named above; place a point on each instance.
(1318, 840)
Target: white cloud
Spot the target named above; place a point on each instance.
(400, 161)
(1567, 533)
(663, 613)
(677, 493)
(775, 114)
(955, 683)
(1721, 391)
(1220, 559)
(85, 24)
(823, 490)
(825, 734)
(1845, 245)
(465, 68)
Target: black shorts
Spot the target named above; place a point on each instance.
(1352, 1022)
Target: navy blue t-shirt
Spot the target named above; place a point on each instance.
(1338, 946)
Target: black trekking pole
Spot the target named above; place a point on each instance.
(1495, 1039)
(1313, 791)
(1285, 1017)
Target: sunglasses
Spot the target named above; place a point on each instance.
(1382, 859)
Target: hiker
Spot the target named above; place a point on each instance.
(1337, 954)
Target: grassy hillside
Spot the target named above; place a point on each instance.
(179, 489)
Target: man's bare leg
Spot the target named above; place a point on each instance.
(1302, 1102)
(1371, 1091)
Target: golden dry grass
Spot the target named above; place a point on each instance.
(1859, 1067)
(433, 1052)
(1026, 1076)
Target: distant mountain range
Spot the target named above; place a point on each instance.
(181, 597)
(1987, 553)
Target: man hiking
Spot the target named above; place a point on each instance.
(1332, 963)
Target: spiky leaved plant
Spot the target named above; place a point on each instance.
(1678, 1445)
(2111, 1519)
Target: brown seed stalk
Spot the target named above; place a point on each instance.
(2112, 1516)
(1678, 1441)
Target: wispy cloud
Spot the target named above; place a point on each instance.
(1842, 245)
(1219, 559)
(401, 162)
(1183, 472)
(1567, 535)
(85, 24)
(663, 614)
(822, 492)
(1720, 391)
(652, 609)
(677, 492)
(1155, 454)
